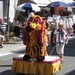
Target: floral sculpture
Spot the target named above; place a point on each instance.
(35, 39)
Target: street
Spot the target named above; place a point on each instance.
(68, 65)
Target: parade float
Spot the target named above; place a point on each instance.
(35, 60)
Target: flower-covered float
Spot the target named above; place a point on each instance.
(35, 39)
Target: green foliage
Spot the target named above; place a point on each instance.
(22, 16)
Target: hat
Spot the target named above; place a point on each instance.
(61, 24)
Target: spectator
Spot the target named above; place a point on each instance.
(16, 25)
(7, 22)
(7, 19)
(48, 33)
(3, 26)
(22, 26)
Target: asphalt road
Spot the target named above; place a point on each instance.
(68, 66)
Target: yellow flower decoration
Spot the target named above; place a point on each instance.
(38, 26)
(33, 18)
(32, 25)
(36, 16)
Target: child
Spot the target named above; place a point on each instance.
(60, 38)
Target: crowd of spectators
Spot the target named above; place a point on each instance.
(14, 28)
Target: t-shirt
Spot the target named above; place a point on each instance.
(3, 25)
(16, 23)
(60, 36)
(30, 15)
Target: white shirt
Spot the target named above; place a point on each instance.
(62, 38)
(16, 23)
(30, 15)
(68, 22)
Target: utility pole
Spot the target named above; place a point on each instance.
(7, 35)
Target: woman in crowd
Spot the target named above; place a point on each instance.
(48, 33)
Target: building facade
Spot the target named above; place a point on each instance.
(3, 8)
(4, 4)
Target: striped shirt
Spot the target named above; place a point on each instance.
(3, 25)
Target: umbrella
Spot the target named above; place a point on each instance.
(28, 6)
(72, 4)
(19, 8)
(57, 3)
